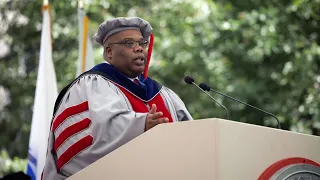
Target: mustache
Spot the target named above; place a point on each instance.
(139, 57)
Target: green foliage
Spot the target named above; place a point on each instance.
(265, 53)
(8, 165)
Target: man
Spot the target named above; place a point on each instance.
(110, 104)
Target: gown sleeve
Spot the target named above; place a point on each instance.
(179, 107)
(93, 119)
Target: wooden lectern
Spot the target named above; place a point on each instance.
(207, 149)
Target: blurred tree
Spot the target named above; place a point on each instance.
(8, 165)
(273, 48)
(265, 53)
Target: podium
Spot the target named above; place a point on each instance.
(214, 149)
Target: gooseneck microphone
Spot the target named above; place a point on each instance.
(190, 80)
(205, 87)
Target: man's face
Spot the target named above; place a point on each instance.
(129, 61)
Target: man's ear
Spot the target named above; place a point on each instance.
(108, 52)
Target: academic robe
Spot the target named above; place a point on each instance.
(99, 112)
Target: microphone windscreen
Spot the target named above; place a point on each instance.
(204, 87)
(188, 80)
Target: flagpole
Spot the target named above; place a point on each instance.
(84, 37)
(85, 52)
(80, 4)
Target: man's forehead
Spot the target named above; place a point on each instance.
(127, 34)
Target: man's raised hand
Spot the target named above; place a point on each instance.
(153, 118)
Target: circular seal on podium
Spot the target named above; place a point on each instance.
(292, 169)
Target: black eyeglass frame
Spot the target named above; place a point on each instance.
(132, 43)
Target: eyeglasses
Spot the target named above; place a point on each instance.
(132, 44)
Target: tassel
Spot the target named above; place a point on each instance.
(145, 72)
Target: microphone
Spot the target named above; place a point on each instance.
(208, 88)
(190, 80)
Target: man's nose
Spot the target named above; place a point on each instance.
(138, 48)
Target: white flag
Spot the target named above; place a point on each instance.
(85, 53)
(45, 96)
